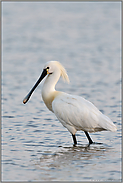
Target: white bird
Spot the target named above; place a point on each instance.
(74, 112)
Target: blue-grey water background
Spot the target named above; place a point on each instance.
(86, 39)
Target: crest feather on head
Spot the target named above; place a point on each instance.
(63, 72)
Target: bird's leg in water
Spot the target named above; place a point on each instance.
(89, 138)
(74, 139)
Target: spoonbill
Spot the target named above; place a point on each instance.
(74, 112)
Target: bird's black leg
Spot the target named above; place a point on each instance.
(74, 139)
(89, 138)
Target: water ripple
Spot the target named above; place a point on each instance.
(84, 37)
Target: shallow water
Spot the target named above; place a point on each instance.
(85, 38)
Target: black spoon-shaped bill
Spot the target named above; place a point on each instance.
(44, 73)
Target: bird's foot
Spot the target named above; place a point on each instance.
(74, 145)
(97, 143)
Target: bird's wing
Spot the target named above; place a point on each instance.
(78, 112)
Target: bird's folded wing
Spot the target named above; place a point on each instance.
(78, 112)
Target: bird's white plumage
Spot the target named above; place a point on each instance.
(76, 113)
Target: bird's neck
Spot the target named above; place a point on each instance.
(48, 90)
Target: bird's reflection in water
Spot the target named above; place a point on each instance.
(81, 154)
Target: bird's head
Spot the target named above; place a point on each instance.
(55, 66)
(49, 69)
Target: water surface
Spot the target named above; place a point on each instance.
(85, 38)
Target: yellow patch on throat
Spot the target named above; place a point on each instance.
(47, 71)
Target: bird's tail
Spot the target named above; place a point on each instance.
(108, 124)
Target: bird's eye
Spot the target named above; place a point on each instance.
(47, 69)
